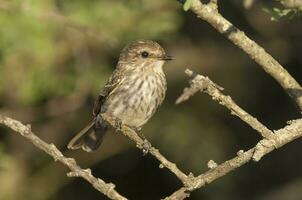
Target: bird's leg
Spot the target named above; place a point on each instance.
(138, 130)
(146, 145)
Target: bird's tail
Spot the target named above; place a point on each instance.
(89, 138)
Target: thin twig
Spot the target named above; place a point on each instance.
(209, 13)
(265, 146)
(76, 171)
(204, 84)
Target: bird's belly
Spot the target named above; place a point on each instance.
(132, 117)
(135, 105)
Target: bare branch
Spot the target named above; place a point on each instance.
(141, 144)
(25, 130)
(204, 84)
(209, 13)
(191, 183)
(265, 146)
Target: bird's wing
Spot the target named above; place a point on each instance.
(112, 83)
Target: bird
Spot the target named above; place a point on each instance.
(132, 94)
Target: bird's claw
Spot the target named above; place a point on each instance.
(146, 147)
(146, 144)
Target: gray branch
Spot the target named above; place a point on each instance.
(144, 144)
(272, 140)
(263, 147)
(76, 171)
(204, 84)
(209, 13)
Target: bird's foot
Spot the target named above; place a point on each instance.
(146, 147)
(139, 133)
(146, 144)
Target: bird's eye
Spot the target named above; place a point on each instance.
(145, 54)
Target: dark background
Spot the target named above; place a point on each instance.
(55, 56)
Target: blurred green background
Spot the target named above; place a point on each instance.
(55, 56)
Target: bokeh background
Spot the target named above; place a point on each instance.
(55, 56)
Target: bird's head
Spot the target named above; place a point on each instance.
(144, 54)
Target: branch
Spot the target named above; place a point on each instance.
(204, 84)
(265, 146)
(143, 143)
(270, 142)
(76, 171)
(209, 13)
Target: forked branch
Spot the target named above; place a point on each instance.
(271, 141)
(263, 147)
(200, 83)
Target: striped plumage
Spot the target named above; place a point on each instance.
(132, 94)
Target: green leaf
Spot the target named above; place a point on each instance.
(277, 13)
(187, 5)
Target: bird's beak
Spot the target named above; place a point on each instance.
(167, 58)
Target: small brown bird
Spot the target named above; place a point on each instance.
(132, 94)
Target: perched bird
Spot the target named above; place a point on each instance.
(132, 94)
